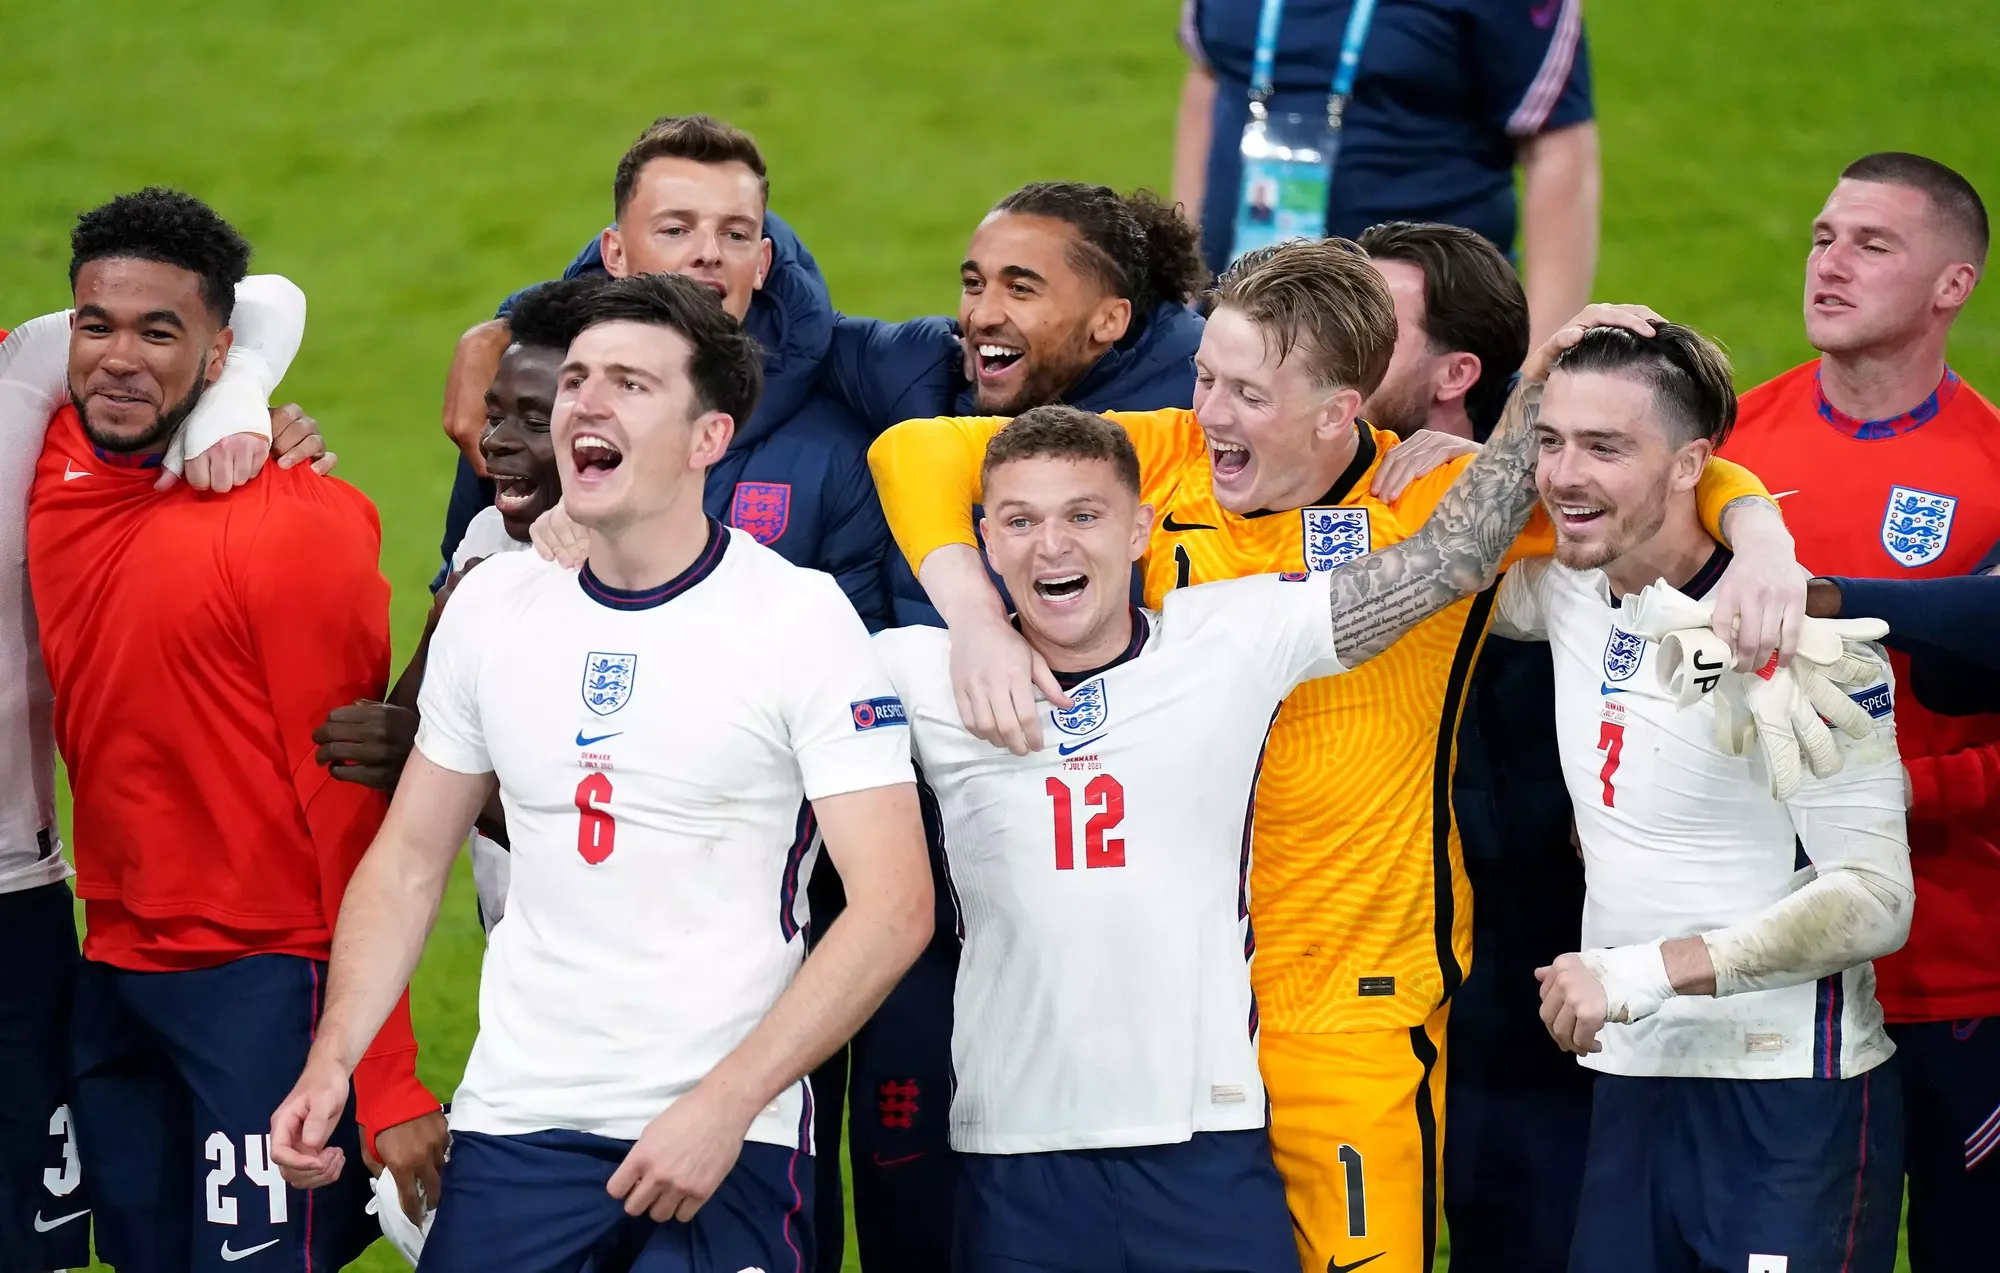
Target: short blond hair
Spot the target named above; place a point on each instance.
(1321, 297)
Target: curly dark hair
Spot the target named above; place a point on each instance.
(549, 315)
(726, 365)
(158, 224)
(1142, 249)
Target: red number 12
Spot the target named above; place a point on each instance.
(1104, 792)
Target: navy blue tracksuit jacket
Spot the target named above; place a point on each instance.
(796, 474)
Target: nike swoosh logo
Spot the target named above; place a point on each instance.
(581, 741)
(71, 472)
(247, 1252)
(1331, 1267)
(1778, 495)
(880, 1161)
(1609, 688)
(1173, 527)
(1070, 749)
(43, 1226)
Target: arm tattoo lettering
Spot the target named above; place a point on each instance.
(1456, 553)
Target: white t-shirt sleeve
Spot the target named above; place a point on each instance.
(1284, 623)
(485, 536)
(845, 722)
(1517, 608)
(449, 731)
(267, 325)
(34, 373)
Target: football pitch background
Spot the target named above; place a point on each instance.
(409, 165)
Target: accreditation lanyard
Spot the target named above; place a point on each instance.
(1264, 60)
(1288, 161)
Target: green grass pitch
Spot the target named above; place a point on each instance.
(410, 164)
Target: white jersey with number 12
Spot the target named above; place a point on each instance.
(1104, 995)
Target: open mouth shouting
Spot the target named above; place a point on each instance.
(1227, 459)
(595, 456)
(1061, 589)
(514, 494)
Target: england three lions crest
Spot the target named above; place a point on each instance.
(1334, 535)
(1088, 709)
(762, 508)
(1917, 525)
(1622, 655)
(607, 681)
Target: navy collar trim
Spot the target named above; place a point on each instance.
(126, 460)
(1710, 574)
(704, 565)
(1891, 426)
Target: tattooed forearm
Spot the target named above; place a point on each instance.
(1458, 551)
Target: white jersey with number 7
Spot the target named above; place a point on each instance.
(1103, 997)
(1681, 838)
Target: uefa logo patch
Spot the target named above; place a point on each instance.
(1333, 535)
(1917, 525)
(762, 508)
(607, 681)
(878, 713)
(1088, 709)
(1622, 655)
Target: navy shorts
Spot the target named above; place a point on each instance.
(1763, 1175)
(537, 1204)
(44, 1206)
(905, 1173)
(177, 1074)
(1212, 1204)
(1951, 1108)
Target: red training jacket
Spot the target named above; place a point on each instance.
(1914, 497)
(194, 642)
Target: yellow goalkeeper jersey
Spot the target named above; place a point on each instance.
(1359, 905)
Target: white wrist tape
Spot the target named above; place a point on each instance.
(1634, 980)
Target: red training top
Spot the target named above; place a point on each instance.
(194, 642)
(1913, 497)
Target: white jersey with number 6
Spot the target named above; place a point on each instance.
(1680, 838)
(654, 751)
(1103, 995)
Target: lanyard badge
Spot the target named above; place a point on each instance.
(1288, 158)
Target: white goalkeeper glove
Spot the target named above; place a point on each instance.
(387, 1207)
(1788, 709)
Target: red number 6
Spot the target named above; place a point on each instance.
(596, 829)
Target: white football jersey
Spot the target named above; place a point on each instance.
(1103, 994)
(486, 536)
(1680, 838)
(34, 385)
(654, 752)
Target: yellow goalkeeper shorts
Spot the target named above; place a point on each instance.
(1357, 1127)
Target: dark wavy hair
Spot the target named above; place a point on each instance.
(726, 365)
(1138, 247)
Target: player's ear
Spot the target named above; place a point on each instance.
(1112, 320)
(1456, 375)
(218, 354)
(613, 250)
(1343, 406)
(1955, 287)
(1142, 531)
(1689, 461)
(712, 434)
(763, 266)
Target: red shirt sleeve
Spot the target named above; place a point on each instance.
(318, 611)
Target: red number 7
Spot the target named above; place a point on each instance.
(1610, 741)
